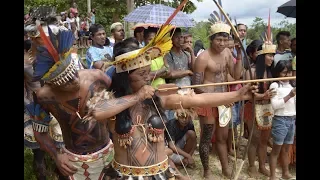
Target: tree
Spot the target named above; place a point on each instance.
(201, 32)
(258, 27)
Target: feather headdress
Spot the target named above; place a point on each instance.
(55, 60)
(268, 47)
(219, 23)
(157, 47)
(41, 15)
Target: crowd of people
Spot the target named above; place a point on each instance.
(108, 117)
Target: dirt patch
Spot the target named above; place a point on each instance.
(196, 174)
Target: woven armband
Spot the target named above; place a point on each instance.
(40, 126)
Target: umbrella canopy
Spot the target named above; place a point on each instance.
(288, 9)
(158, 14)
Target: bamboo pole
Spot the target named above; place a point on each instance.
(230, 83)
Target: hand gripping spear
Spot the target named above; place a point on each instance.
(236, 35)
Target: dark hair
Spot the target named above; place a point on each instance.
(261, 68)
(95, 28)
(280, 34)
(223, 34)
(240, 25)
(51, 20)
(198, 45)
(93, 10)
(107, 43)
(138, 30)
(149, 31)
(27, 45)
(280, 66)
(252, 47)
(121, 87)
(186, 35)
(293, 39)
(174, 32)
(125, 46)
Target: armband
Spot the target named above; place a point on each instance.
(40, 126)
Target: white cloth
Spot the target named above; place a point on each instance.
(91, 166)
(279, 106)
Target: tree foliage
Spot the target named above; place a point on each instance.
(258, 27)
(201, 30)
(107, 11)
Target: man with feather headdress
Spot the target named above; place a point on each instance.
(215, 65)
(39, 16)
(88, 150)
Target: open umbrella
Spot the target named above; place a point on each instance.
(158, 14)
(288, 9)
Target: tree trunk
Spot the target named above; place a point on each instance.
(130, 8)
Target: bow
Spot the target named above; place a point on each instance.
(236, 35)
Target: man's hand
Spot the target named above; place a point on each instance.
(189, 72)
(269, 94)
(187, 47)
(190, 160)
(237, 47)
(63, 162)
(247, 91)
(229, 105)
(146, 92)
(293, 92)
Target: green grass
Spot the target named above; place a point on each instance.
(28, 166)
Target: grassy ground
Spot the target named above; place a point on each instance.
(195, 174)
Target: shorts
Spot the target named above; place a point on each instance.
(235, 115)
(283, 129)
(180, 144)
(81, 33)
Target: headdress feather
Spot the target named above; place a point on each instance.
(158, 46)
(266, 37)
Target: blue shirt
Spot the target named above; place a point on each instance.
(97, 54)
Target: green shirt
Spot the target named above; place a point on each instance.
(157, 64)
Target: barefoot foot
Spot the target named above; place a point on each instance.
(264, 171)
(226, 172)
(252, 171)
(207, 175)
(273, 178)
(287, 176)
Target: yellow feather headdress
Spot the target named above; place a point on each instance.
(159, 46)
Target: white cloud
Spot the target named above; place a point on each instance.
(245, 11)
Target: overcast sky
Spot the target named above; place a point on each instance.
(245, 11)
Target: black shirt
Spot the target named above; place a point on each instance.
(175, 132)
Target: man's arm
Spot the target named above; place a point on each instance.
(180, 151)
(235, 70)
(159, 73)
(173, 73)
(198, 75)
(41, 130)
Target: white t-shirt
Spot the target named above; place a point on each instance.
(279, 106)
(78, 23)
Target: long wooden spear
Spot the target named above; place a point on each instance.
(230, 83)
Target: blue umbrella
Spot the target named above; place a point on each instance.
(158, 14)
